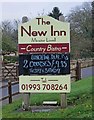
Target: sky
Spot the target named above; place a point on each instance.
(16, 9)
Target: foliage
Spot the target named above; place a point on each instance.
(55, 13)
(80, 20)
(11, 59)
(79, 104)
(9, 37)
(8, 45)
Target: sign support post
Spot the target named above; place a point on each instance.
(63, 100)
(63, 95)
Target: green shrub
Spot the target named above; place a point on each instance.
(11, 59)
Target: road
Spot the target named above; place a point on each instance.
(85, 72)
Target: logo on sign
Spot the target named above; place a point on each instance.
(41, 21)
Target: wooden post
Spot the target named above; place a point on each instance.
(78, 70)
(63, 103)
(17, 71)
(26, 96)
(63, 100)
(26, 101)
(10, 91)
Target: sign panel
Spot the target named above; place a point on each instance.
(43, 48)
(44, 30)
(44, 55)
(45, 84)
(44, 64)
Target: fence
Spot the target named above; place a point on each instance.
(9, 86)
(75, 71)
(11, 72)
(76, 66)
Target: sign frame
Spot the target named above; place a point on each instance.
(28, 34)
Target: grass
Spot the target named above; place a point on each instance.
(79, 103)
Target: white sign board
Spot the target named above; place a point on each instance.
(44, 60)
(53, 84)
(44, 30)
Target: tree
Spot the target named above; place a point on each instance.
(8, 42)
(15, 30)
(80, 20)
(55, 13)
